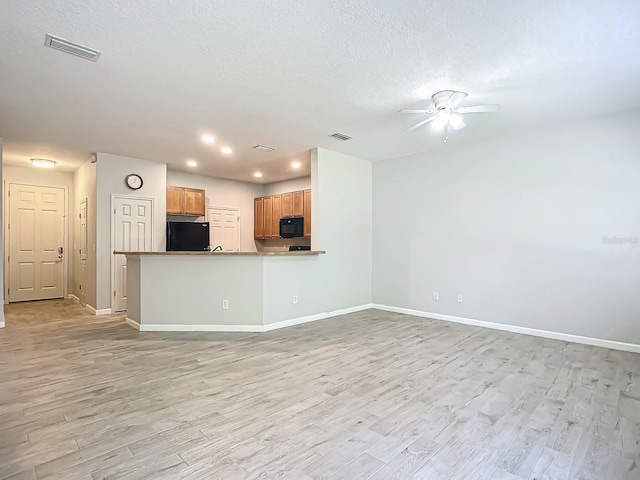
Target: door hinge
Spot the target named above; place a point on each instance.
(79, 215)
(114, 293)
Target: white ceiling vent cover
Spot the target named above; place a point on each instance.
(72, 48)
(340, 136)
(263, 148)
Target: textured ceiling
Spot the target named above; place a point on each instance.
(288, 73)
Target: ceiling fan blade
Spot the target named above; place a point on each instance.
(456, 121)
(456, 98)
(419, 124)
(417, 111)
(479, 109)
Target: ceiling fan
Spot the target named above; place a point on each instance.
(447, 112)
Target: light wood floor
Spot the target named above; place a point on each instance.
(368, 395)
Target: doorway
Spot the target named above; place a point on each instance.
(36, 236)
(82, 253)
(132, 227)
(224, 228)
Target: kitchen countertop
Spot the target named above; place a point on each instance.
(213, 254)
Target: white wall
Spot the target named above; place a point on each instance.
(223, 193)
(49, 178)
(341, 225)
(285, 186)
(85, 186)
(516, 226)
(111, 172)
(1, 241)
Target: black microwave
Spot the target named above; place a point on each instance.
(291, 227)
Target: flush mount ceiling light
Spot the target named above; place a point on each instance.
(296, 164)
(447, 112)
(257, 175)
(208, 138)
(226, 150)
(263, 148)
(43, 163)
(192, 163)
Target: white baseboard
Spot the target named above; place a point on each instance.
(102, 311)
(156, 327)
(312, 318)
(566, 337)
(71, 296)
(1, 324)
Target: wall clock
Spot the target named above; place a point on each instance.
(133, 181)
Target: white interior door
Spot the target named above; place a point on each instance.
(224, 225)
(132, 232)
(82, 252)
(36, 241)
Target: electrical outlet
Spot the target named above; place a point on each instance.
(295, 299)
(459, 298)
(435, 296)
(225, 304)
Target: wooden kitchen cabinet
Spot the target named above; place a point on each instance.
(258, 218)
(268, 216)
(307, 213)
(298, 207)
(287, 204)
(276, 215)
(185, 201)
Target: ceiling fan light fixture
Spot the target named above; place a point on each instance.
(456, 121)
(441, 119)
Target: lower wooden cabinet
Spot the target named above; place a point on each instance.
(185, 201)
(270, 209)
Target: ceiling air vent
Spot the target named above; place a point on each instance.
(72, 48)
(340, 136)
(263, 148)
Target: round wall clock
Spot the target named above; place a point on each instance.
(133, 181)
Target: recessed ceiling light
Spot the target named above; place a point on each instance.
(192, 163)
(226, 150)
(296, 164)
(207, 138)
(257, 175)
(43, 163)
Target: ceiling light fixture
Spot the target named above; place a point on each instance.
(207, 138)
(257, 175)
(43, 163)
(226, 150)
(192, 163)
(442, 118)
(296, 164)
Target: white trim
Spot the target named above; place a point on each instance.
(112, 235)
(237, 210)
(1, 324)
(71, 296)
(156, 327)
(102, 311)
(312, 318)
(566, 337)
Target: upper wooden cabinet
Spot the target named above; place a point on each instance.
(307, 213)
(270, 209)
(185, 201)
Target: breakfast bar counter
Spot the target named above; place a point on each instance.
(221, 291)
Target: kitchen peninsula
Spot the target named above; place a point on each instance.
(219, 291)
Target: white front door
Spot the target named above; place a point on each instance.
(82, 252)
(132, 232)
(36, 241)
(224, 225)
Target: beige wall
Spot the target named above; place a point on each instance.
(111, 172)
(223, 193)
(85, 186)
(48, 178)
(1, 240)
(518, 227)
(285, 186)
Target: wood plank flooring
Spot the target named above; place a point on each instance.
(371, 395)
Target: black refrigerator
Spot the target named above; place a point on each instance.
(187, 236)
